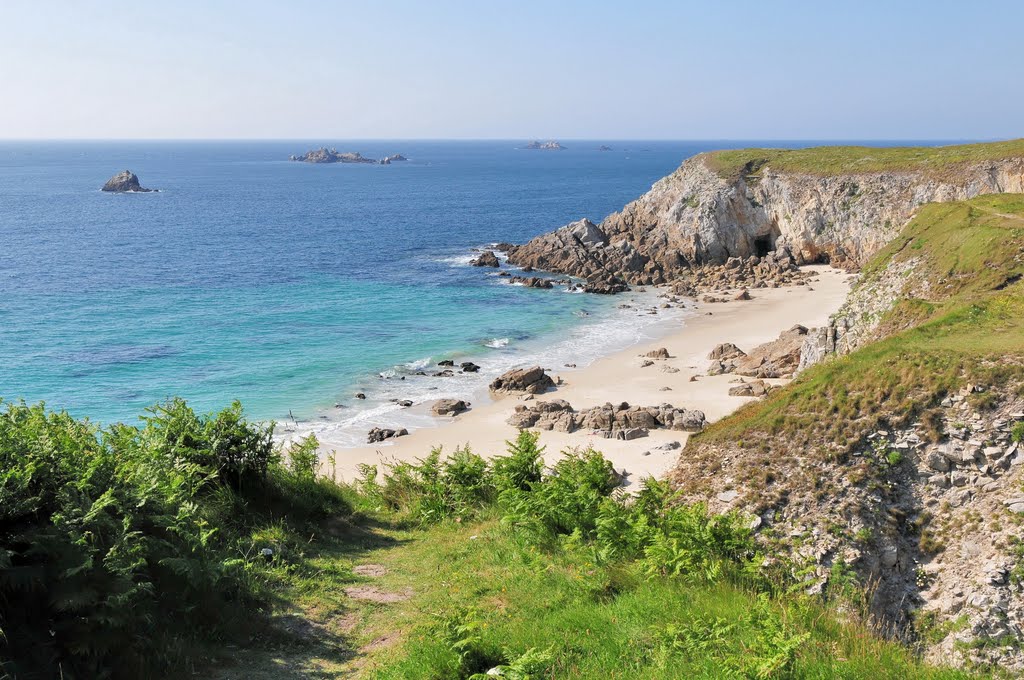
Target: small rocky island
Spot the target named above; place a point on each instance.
(126, 182)
(604, 147)
(325, 155)
(550, 145)
(394, 158)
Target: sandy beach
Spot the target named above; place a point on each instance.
(619, 377)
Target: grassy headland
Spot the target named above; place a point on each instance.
(846, 160)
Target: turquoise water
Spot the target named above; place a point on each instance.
(286, 285)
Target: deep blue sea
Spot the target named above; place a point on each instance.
(286, 285)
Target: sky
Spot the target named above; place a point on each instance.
(570, 69)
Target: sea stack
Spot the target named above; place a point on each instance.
(126, 182)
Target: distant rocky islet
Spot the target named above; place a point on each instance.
(126, 183)
(325, 155)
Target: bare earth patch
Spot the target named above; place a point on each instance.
(370, 570)
(375, 594)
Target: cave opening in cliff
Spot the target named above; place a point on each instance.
(764, 245)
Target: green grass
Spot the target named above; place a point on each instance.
(588, 593)
(836, 160)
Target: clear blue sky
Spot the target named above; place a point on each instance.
(901, 69)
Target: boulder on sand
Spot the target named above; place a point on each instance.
(379, 434)
(448, 407)
(532, 380)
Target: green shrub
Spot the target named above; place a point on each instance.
(1017, 434)
(119, 544)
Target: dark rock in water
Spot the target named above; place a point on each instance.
(544, 146)
(404, 403)
(125, 182)
(486, 259)
(469, 367)
(446, 373)
(379, 434)
(395, 158)
(604, 148)
(360, 395)
(325, 155)
(532, 281)
(606, 286)
(532, 380)
(503, 247)
(446, 362)
(448, 407)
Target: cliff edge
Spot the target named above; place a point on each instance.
(826, 204)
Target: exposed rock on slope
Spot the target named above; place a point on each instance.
(698, 215)
(125, 182)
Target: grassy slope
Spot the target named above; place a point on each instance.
(599, 621)
(971, 329)
(836, 160)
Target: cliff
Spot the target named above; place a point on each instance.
(900, 464)
(828, 204)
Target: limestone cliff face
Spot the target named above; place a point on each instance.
(695, 216)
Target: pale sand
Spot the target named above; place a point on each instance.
(619, 377)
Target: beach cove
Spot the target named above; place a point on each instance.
(619, 377)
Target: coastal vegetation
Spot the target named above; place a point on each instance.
(849, 160)
(194, 542)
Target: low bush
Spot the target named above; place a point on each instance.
(119, 545)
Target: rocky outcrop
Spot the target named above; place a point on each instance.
(325, 155)
(550, 145)
(125, 182)
(695, 217)
(530, 380)
(486, 259)
(395, 158)
(620, 421)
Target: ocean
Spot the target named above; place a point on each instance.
(291, 286)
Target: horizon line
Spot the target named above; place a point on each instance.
(506, 139)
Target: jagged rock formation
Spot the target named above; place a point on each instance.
(394, 158)
(325, 155)
(125, 182)
(699, 216)
(620, 421)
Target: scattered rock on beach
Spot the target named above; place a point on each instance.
(608, 420)
(124, 183)
(448, 407)
(531, 380)
(379, 434)
(469, 367)
(660, 353)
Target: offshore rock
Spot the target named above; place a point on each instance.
(325, 155)
(125, 182)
